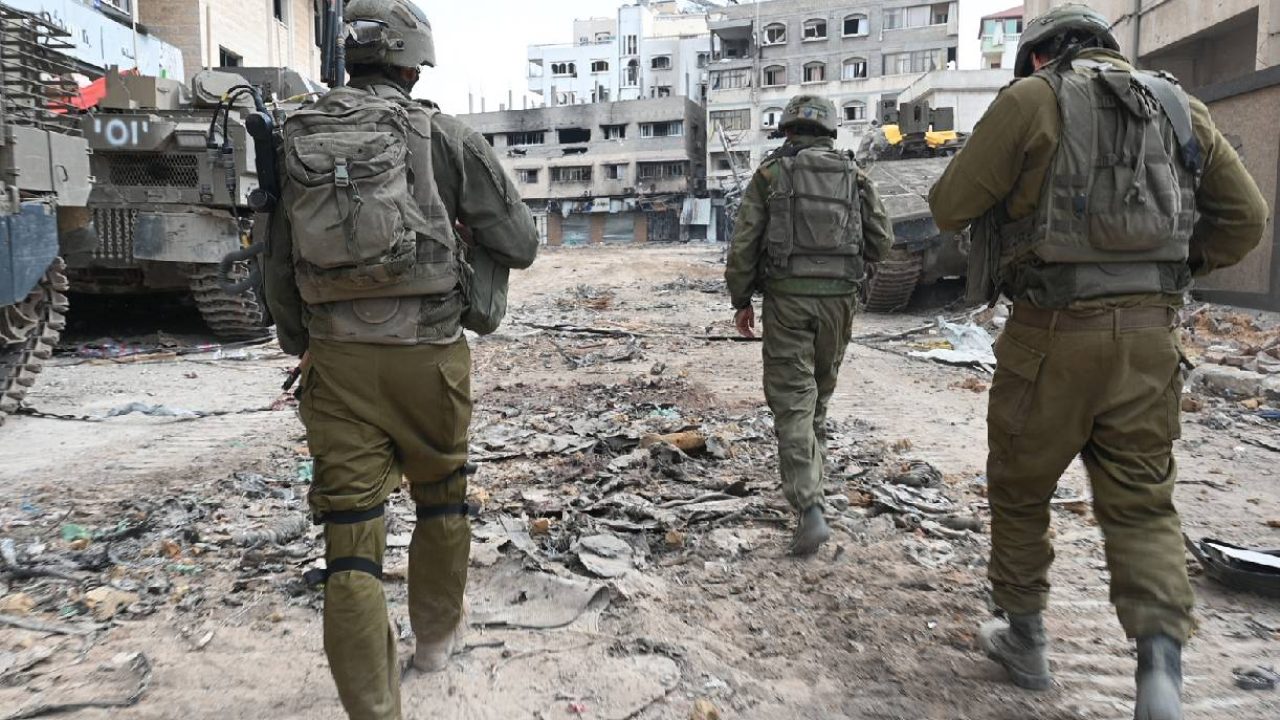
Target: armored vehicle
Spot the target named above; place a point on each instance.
(172, 182)
(903, 173)
(44, 185)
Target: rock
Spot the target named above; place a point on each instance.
(1235, 383)
(674, 539)
(688, 441)
(540, 526)
(838, 503)
(106, 601)
(704, 710)
(1192, 404)
(1251, 403)
(719, 447)
(17, 603)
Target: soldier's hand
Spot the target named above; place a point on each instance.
(745, 321)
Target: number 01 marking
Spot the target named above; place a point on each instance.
(119, 132)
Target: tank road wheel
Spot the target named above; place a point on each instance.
(893, 283)
(231, 317)
(29, 330)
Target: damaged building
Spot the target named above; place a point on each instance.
(858, 54)
(630, 171)
(650, 49)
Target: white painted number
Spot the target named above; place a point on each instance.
(119, 132)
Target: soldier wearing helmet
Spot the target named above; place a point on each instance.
(1096, 192)
(809, 223)
(395, 230)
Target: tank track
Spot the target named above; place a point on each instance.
(894, 283)
(231, 317)
(29, 330)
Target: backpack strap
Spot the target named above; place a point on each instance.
(1178, 109)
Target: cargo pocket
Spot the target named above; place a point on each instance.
(1013, 387)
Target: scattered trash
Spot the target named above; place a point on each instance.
(72, 532)
(970, 345)
(916, 473)
(606, 556)
(1239, 568)
(972, 384)
(151, 410)
(138, 663)
(512, 596)
(285, 531)
(1258, 677)
(19, 603)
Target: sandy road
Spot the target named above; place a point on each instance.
(861, 632)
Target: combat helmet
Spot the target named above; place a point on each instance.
(810, 110)
(1058, 22)
(388, 32)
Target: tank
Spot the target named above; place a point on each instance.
(167, 208)
(44, 187)
(904, 171)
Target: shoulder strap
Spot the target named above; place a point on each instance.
(1178, 109)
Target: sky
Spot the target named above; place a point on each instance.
(481, 45)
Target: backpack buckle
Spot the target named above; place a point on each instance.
(341, 176)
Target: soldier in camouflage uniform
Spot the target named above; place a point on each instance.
(810, 221)
(386, 394)
(1096, 193)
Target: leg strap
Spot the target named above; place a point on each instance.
(317, 576)
(426, 512)
(351, 517)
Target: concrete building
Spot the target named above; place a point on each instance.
(607, 171)
(250, 33)
(968, 92)
(999, 35)
(858, 53)
(1202, 43)
(103, 35)
(648, 50)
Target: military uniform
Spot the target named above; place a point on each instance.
(807, 320)
(1089, 360)
(386, 398)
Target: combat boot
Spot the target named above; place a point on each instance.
(1159, 679)
(811, 533)
(1022, 647)
(433, 655)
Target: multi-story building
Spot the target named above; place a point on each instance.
(228, 33)
(858, 53)
(649, 50)
(999, 36)
(1200, 42)
(104, 34)
(607, 171)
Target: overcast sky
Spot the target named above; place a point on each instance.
(481, 45)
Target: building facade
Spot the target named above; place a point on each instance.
(1201, 43)
(968, 92)
(606, 171)
(999, 36)
(649, 50)
(247, 33)
(103, 35)
(857, 53)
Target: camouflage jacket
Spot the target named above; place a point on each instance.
(475, 191)
(743, 272)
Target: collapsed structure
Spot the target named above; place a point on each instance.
(607, 172)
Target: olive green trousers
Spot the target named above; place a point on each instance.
(1113, 398)
(377, 415)
(805, 338)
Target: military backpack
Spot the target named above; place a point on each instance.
(815, 217)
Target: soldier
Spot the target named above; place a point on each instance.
(1097, 193)
(810, 221)
(364, 276)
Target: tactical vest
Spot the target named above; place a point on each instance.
(1118, 206)
(375, 254)
(815, 217)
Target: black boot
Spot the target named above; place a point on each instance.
(1159, 679)
(1022, 647)
(811, 533)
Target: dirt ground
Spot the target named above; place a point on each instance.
(132, 529)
